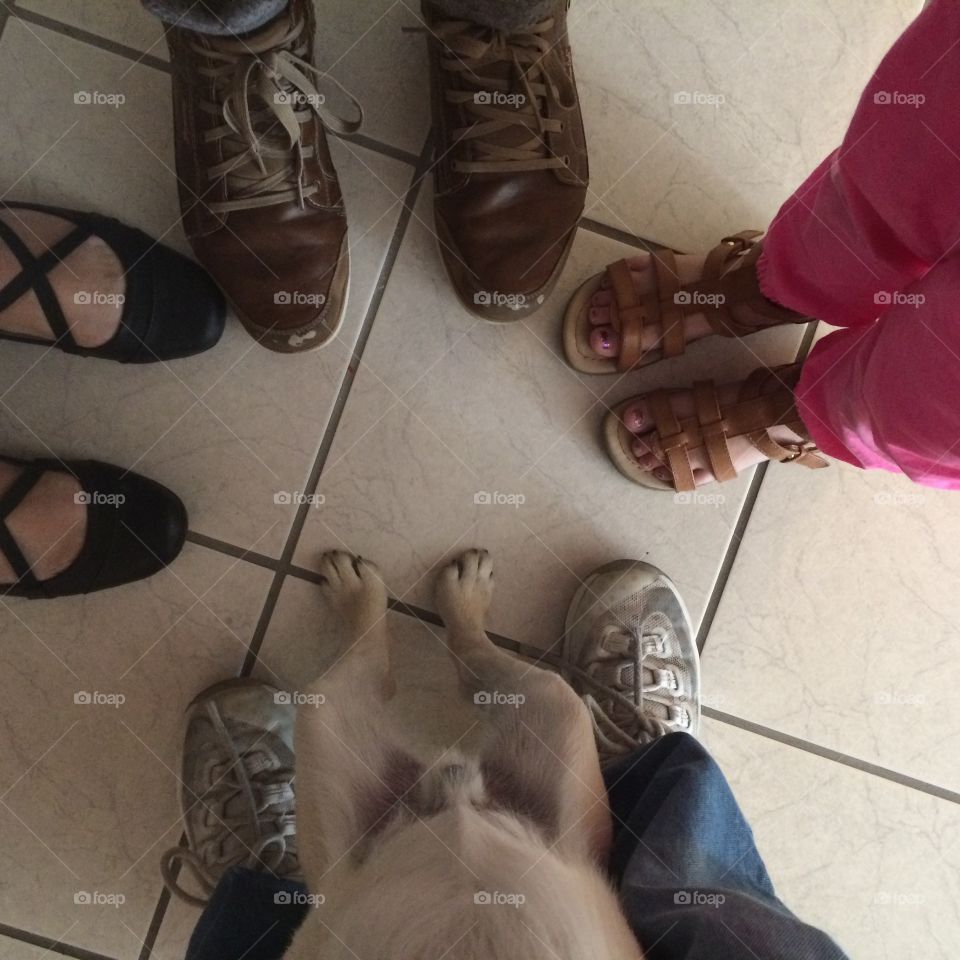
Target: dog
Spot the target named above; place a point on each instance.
(496, 851)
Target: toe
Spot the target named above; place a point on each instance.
(605, 342)
(602, 298)
(636, 417)
(486, 564)
(599, 315)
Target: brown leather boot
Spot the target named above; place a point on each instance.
(259, 194)
(511, 173)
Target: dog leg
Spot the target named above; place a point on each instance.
(541, 755)
(349, 770)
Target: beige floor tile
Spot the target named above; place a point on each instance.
(770, 87)
(229, 429)
(873, 863)
(90, 789)
(123, 21)
(447, 408)
(362, 45)
(838, 624)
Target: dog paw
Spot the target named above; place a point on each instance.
(354, 588)
(465, 588)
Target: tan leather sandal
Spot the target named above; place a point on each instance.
(729, 280)
(766, 400)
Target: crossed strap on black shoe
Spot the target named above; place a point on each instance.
(135, 527)
(170, 309)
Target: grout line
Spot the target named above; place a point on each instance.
(4, 16)
(153, 930)
(45, 943)
(336, 415)
(164, 66)
(746, 512)
(221, 546)
(623, 236)
(84, 36)
(826, 753)
(730, 555)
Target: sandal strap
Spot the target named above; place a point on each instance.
(627, 314)
(34, 276)
(765, 400)
(11, 499)
(730, 279)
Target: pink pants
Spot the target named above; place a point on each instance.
(871, 243)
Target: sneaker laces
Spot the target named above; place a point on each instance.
(264, 151)
(620, 704)
(495, 67)
(265, 797)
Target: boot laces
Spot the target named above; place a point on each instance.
(263, 97)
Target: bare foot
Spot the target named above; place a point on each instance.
(49, 524)
(89, 283)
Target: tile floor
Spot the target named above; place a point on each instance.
(826, 606)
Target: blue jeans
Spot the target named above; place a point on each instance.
(691, 880)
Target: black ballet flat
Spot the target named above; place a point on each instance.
(172, 308)
(135, 527)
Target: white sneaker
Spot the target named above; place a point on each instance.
(629, 652)
(236, 787)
